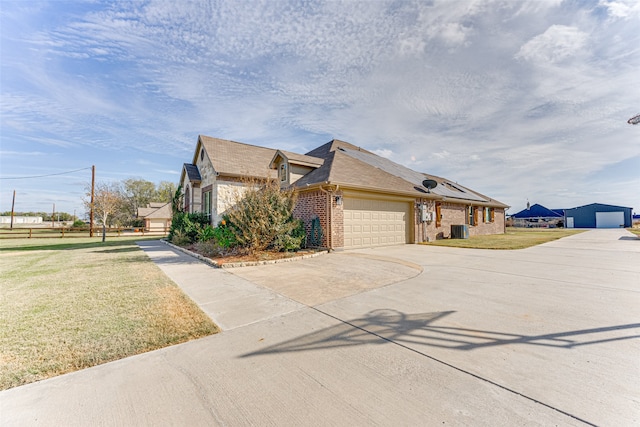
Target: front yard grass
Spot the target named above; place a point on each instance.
(72, 303)
(514, 238)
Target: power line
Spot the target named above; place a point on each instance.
(43, 176)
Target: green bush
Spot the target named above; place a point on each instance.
(209, 249)
(263, 218)
(224, 235)
(179, 238)
(189, 225)
(79, 224)
(206, 233)
(292, 241)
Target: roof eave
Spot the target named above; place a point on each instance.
(412, 194)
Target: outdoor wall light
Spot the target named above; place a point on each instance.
(338, 200)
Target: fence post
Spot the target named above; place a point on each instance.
(62, 233)
(30, 232)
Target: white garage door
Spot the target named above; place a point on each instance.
(609, 219)
(370, 223)
(156, 224)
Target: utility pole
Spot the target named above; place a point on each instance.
(13, 203)
(53, 216)
(93, 185)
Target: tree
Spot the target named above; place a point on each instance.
(165, 191)
(107, 200)
(136, 193)
(176, 200)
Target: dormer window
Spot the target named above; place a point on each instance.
(283, 172)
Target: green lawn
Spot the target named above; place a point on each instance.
(71, 303)
(514, 238)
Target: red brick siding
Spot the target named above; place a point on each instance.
(310, 205)
(455, 214)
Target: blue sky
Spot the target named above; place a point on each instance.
(517, 100)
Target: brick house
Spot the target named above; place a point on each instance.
(360, 198)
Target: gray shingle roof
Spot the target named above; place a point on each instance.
(302, 159)
(336, 162)
(156, 210)
(346, 164)
(192, 172)
(238, 159)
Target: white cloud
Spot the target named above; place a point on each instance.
(530, 92)
(557, 44)
(622, 9)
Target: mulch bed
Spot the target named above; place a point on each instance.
(253, 257)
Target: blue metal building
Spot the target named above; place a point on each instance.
(537, 216)
(597, 215)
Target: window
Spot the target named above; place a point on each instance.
(438, 214)
(471, 217)
(206, 204)
(283, 172)
(488, 214)
(202, 154)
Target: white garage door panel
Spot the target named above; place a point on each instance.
(370, 223)
(609, 219)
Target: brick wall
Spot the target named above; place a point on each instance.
(309, 205)
(338, 221)
(455, 214)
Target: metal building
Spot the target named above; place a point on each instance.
(597, 215)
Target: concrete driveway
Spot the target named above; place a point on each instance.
(548, 335)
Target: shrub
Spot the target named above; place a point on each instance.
(224, 235)
(180, 238)
(263, 219)
(189, 224)
(209, 249)
(206, 233)
(292, 241)
(79, 224)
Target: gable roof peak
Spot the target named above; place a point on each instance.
(237, 158)
(334, 145)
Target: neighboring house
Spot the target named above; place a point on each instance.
(597, 215)
(157, 216)
(538, 216)
(21, 219)
(360, 198)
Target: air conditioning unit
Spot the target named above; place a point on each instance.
(460, 231)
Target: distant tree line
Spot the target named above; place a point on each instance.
(116, 203)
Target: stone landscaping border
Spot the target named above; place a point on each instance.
(243, 263)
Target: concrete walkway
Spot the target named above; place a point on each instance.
(543, 336)
(229, 300)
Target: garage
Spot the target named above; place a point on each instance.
(609, 219)
(157, 224)
(371, 222)
(598, 215)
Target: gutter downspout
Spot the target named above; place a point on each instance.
(329, 217)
